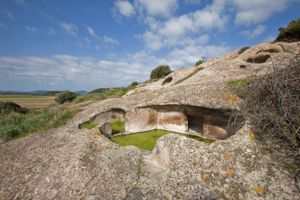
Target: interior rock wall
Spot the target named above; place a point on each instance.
(210, 123)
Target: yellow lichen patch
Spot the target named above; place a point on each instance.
(205, 177)
(232, 99)
(258, 189)
(229, 173)
(251, 135)
(226, 154)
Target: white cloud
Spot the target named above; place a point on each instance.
(110, 40)
(177, 26)
(258, 30)
(105, 39)
(184, 29)
(31, 29)
(256, 11)
(69, 27)
(152, 40)
(20, 2)
(92, 32)
(163, 8)
(124, 7)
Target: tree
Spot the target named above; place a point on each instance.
(160, 72)
(290, 33)
(65, 96)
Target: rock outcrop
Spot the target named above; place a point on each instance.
(73, 163)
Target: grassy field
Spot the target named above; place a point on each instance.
(143, 140)
(29, 101)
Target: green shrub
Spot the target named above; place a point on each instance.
(243, 49)
(16, 124)
(118, 126)
(8, 107)
(134, 84)
(199, 62)
(160, 72)
(290, 33)
(66, 96)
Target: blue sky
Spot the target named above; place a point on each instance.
(73, 44)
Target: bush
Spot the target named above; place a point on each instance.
(134, 84)
(199, 62)
(291, 33)
(66, 96)
(8, 107)
(160, 72)
(243, 49)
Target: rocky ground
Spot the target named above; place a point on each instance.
(73, 163)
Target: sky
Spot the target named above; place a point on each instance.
(83, 45)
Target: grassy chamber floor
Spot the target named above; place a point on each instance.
(146, 140)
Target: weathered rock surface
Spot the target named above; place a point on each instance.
(106, 129)
(73, 163)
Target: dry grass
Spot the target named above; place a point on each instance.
(29, 101)
(272, 106)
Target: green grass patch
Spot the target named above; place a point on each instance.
(88, 125)
(197, 69)
(147, 140)
(238, 87)
(143, 140)
(118, 126)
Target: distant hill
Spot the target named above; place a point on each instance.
(38, 92)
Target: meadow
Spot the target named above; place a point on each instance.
(29, 101)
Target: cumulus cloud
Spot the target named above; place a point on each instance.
(258, 30)
(124, 7)
(67, 70)
(175, 31)
(152, 40)
(69, 27)
(163, 8)
(256, 11)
